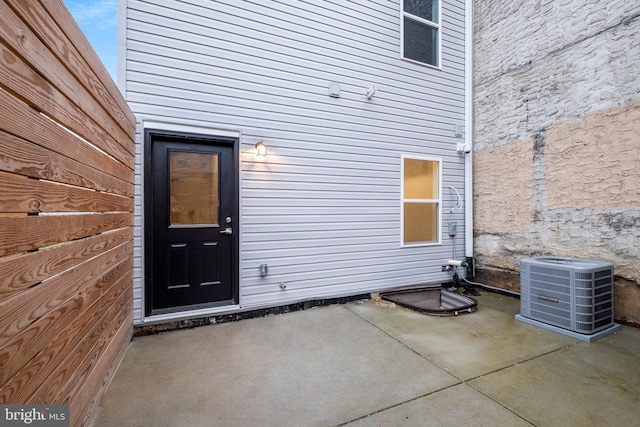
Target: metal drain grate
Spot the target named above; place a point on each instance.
(435, 301)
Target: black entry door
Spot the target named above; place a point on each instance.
(192, 208)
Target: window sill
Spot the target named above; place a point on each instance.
(419, 245)
(423, 64)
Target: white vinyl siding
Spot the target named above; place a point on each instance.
(322, 209)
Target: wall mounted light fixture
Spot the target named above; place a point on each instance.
(261, 149)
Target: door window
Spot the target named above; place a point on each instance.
(421, 188)
(193, 188)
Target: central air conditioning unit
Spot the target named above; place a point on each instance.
(568, 295)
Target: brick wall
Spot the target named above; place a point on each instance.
(557, 138)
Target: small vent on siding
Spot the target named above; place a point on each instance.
(334, 89)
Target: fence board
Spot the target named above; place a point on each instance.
(27, 84)
(77, 368)
(63, 18)
(36, 374)
(82, 374)
(66, 148)
(119, 341)
(50, 60)
(33, 381)
(33, 232)
(27, 123)
(25, 158)
(22, 272)
(25, 308)
(89, 392)
(22, 194)
(23, 346)
(20, 348)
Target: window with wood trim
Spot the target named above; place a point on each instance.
(421, 31)
(421, 200)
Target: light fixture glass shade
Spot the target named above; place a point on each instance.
(261, 149)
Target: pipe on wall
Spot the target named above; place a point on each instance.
(468, 126)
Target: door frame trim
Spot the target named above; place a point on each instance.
(151, 129)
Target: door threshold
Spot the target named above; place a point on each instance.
(191, 314)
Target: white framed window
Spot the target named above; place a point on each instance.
(421, 200)
(421, 31)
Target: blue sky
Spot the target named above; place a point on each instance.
(98, 19)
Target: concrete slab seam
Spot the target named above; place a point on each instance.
(399, 404)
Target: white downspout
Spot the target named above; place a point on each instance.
(468, 128)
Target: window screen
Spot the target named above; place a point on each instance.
(421, 31)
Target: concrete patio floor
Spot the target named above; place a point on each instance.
(375, 364)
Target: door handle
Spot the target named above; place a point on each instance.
(227, 230)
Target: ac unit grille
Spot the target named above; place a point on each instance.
(568, 293)
(604, 306)
(581, 292)
(551, 311)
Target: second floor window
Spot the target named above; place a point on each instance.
(421, 31)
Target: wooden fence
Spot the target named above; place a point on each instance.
(66, 212)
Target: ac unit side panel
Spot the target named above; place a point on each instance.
(524, 290)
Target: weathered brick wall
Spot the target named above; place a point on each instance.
(557, 137)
